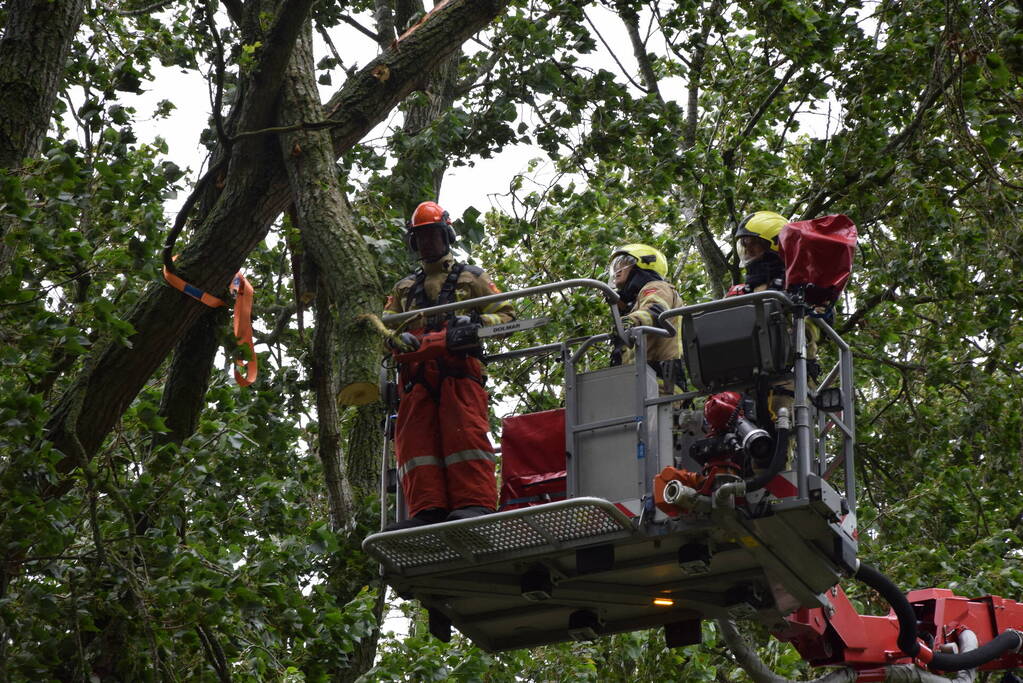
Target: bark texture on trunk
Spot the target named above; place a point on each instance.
(324, 376)
(255, 192)
(33, 51)
(184, 393)
(346, 265)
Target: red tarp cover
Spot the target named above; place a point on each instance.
(818, 252)
(532, 459)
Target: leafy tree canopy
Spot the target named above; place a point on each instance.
(159, 523)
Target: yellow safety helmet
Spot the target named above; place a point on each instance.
(642, 256)
(766, 225)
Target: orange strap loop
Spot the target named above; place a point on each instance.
(191, 290)
(243, 294)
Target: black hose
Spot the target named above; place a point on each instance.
(907, 641)
(998, 646)
(903, 610)
(781, 453)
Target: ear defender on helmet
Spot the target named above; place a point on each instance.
(428, 214)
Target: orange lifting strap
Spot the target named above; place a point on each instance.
(243, 293)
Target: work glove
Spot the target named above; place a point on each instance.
(403, 343)
(463, 334)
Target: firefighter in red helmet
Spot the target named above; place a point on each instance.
(445, 459)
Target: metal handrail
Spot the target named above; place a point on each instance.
(609, 294)
(842, 371)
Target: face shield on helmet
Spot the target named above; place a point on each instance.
(618, 271)
(641, 256)
(750, 248)
(431, 241)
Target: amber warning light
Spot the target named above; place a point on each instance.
(664, 602)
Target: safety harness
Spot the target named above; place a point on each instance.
(417, 298)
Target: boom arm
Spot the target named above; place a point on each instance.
(840, 635)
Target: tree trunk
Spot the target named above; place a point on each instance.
(184, 393)
(419, 171)
(346, 266)
(33, 52)
(324, 377)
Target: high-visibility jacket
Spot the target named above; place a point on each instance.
(655, 293)
(471, 282)
(659, 349)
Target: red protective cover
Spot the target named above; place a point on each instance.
(818, 256)
(532, 459)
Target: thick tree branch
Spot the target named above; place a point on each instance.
(383, 14)
(235, 10)
(184, 392)
(328, 433)
(36, 42)
(329, 234)
(646, 70)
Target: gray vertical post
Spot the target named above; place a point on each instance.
(849, 417)
(802, 416)
(385, 375)
(642, 425)
(821, 462)
(571, 419)
(383, 477)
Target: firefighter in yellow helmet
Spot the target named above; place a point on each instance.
(637, 272)
(756, 241)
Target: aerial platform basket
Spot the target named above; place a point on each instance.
(579, 568)
(598, 564)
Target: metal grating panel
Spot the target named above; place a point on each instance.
(576, 523)
(509, 534)
(414, 551)
(539, 529)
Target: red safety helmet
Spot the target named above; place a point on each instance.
(720, 410)
(429, 215)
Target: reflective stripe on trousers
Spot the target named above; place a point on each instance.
(421, 461)
(460, 456)
(443, 447)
